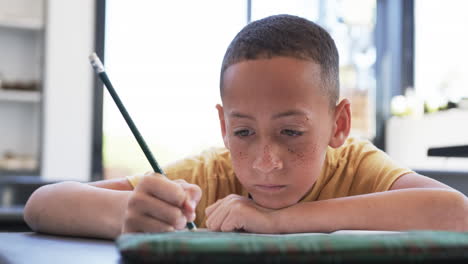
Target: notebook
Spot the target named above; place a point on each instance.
(339, 247)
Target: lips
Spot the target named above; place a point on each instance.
(269, 187)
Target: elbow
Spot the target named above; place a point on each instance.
(459, 203)
(33, 208)
(30, 212)
(448, 211)
(464, 215)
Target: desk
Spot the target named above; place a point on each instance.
(37, 248)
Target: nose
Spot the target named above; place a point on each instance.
(267, 161)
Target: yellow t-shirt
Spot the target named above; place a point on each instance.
(355, 168)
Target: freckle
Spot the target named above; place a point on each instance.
(300, 155)
(265, 153)
(241, 154)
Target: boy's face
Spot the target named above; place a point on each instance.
(277, 125)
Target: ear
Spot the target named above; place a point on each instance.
(341, 124)
(222, 122)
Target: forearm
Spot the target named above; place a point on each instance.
(405, 209)
(72, 208)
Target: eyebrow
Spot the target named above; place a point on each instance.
(276, 116)
(289, 113)
(240, 115)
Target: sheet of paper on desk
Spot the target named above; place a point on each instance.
(364, 232)
(340, 232)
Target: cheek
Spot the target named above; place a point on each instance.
(304, 166)
(301, 153)
(238, 148)
(242, 154)
(240, 162)
(239, 153)
(239, 159)
(305, 156)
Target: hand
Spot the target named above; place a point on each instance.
(237, 213)
(158, 204)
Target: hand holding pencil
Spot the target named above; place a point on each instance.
(157, 204)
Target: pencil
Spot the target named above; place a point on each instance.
(101, 72)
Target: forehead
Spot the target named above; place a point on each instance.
(279, 81)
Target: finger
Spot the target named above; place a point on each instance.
(193, 192)
(142, 203)
(162, 188)
(218, 216)
(189, 211)
(213, 207)
(144, 223)
(216, 219)
(228, 224)
(210, 209)
(234, 220)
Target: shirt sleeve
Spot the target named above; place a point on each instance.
(375, 171)
(185, 169)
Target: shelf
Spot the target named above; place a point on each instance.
(20, 96)
(21, 23)
(7, 176)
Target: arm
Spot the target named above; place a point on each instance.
(79, 209)
(414, 202)
(107, 208)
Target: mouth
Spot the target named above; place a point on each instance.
(270, 188)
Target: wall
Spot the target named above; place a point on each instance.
(68, 90)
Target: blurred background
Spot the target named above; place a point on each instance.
(403, 65)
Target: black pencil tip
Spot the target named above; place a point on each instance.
(191, 226)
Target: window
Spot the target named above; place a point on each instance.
(351, 24)
(441, 38)
(440, 76)
(164, 58)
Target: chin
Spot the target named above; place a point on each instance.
(272, 204)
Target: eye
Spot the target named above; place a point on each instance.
(243, 133)
(291, 132)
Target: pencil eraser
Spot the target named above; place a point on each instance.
(96, 62)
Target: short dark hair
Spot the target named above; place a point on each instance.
(291, 36)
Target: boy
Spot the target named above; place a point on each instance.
(287, 167)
